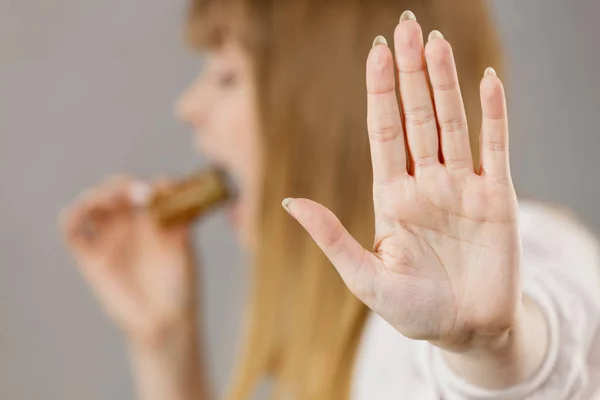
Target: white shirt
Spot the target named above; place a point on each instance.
(561, 273)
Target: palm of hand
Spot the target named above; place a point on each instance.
(445, 266)
(448, 252)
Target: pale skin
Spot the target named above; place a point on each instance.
(143, 275)
(446, 261)
(144, 278)
(447, 256)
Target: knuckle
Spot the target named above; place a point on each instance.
(418, 116)
(335, 236)
(384, 129)
(426, 161)
(411, 66)
(457, 164)
(495, 146)
(445, 87)
(453, 125)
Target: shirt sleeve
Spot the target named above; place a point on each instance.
(561, 274)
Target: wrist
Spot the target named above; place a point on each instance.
(167, 347)
(159, 336)
(506, 359)
(168, 365)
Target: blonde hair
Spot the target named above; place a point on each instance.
(303, 324)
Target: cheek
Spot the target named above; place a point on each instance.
(244, 137)
(249, 159)
(237, 127)
(223, 136)
(252, 156)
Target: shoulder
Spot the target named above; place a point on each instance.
(556, 228)
(554, 239)
(561, 255)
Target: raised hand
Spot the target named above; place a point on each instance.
(446, 261)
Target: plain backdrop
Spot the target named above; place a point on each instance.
(87, 88)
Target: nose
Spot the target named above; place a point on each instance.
(189, 107)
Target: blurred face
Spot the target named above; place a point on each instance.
(221, 107)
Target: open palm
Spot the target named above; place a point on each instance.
(446, 260)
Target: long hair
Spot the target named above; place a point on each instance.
(308, 56)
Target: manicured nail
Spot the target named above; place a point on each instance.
(407, 16)
(379, 40)
(435, 35)
(286, 204)
(489, 71)
(139, 193)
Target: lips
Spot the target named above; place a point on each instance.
(232, 184)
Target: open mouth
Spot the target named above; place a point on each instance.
(230, 183)
(233, 203)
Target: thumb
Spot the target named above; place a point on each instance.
(355, 264)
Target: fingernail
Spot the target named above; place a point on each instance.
(286, 204)
(435, 34)
(139, 193)
(407, 16)
(489, 71)
(379, 40)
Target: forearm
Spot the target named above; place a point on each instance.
(171, 367)
(510, 359)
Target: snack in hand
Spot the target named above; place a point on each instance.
(190, 198)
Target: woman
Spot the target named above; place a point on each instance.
(472, 296)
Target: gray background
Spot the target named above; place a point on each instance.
(87, 89)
